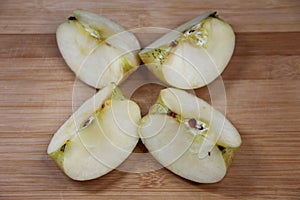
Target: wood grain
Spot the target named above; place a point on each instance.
(262, 83)
(20, 16)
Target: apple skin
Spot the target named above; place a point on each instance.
(202, 156)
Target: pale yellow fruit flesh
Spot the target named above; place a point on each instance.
(196, 66)
(202, 157)
(192, 60)
(67, 130)
(165, 138)
(103, 145)
(177, 149)
(85, 153)
(190, 106)
(96, 49)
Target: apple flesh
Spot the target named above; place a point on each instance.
(189, 137)
(192, 55)
(97, 50)
(98, 137)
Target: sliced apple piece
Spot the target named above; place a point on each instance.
(189, 137)
(97, 50)
(192, 55)
(98, 137)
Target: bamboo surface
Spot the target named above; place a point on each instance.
(262, 83)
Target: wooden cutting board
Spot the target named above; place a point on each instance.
(262, 83)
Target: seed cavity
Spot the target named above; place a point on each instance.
(87, 122)
(62, 148)
(198, 35)
(221, 148)
(196, 124)
(192, 123)
(161, 54)
(108, 44)
(93, 31)
(171, 113)
(173, 43)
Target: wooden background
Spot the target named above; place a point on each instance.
(262, 85)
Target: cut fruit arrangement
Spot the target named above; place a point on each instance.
(182, 132)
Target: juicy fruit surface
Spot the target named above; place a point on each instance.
(189, 137)
(90, 106)
(97, 50)
(196, 57)
(189, 106)
(89, 148)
